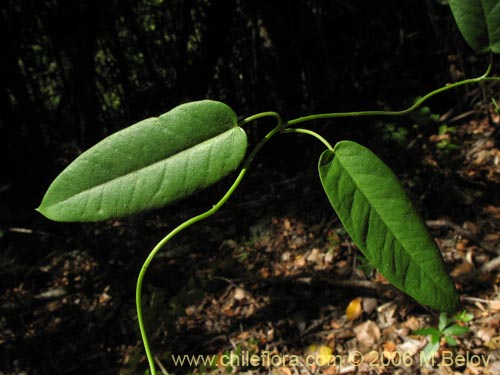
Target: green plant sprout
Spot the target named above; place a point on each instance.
(161, 160)
(497, 108)
(445, 143)
(364, 265)
(446, 330)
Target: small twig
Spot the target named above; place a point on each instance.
(458, 117)
(481, 300)
(229, 281)
(232, 283)
(21, 230)
(160, 365)
(347, 369)
(305, 367)
(351, 284)
(354, 284)
(38, 300)
(491, 266)
(311, 279)
(317, 324)
(464, 233)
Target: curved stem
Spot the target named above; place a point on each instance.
(186, 224)
(309, 132)
(263, 114)
(490, 66)
(410, 109)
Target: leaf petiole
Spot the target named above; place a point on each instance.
(311, 133)
(263, 114)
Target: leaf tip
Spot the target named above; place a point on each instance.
(40, 210)
(47, 213)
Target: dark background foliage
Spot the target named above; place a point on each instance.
(72, 72)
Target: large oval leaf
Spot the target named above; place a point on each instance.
(479, 23)
(381, 220)
(149, 164)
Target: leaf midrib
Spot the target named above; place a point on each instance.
(483, 10)
(390, 229)
(95, 187)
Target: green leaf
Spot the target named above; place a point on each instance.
(451, 341)
(149, 164)
(443, 321)
(463, 316)
(456, 330)
(429, 331)
(431, 349)
(479, 23)
(381, 220)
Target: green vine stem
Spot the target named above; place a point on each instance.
(193, 220)
(281, 127)
(263, 114)
(403, 112)
(309, 132)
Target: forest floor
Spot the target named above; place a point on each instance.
(289, 294)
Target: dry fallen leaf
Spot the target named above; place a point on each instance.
(412, 323)
(471, 227)
(285, 257)
(367, 333)
(284, 371)
(389, 346)
(481, 157)
(299, 261)
(322, 353)
(332, 370)
(386, 314)
(220, 362)
(411, 346)
(354, 309)
(495, 305)
(265, 273)
(389, 351)
(239, 294)
(329, 256)
(190, 310)
(315, 256)
(369, 304)
(492, 237)
(494, 368)
(462, 269)
(461, 245)
(494, 343)
(486, 333)
(493, 211)
(243, 335)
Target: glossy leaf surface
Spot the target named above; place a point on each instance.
(149, 164)
(381, 220)
(479, 23)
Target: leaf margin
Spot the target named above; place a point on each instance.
(443, 279)
(476, 23)
(219, 113)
